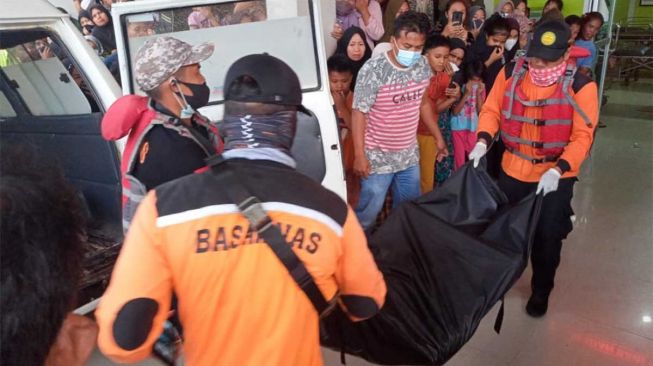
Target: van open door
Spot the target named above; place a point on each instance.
(47, 101)
(287, 29)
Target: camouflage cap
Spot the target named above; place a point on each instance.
(159, 58)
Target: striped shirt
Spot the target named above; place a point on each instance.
(391, 98)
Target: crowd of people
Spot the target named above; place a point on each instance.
(418, 92)
(465, 50)
(445, 86)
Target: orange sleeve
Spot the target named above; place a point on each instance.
(135, 306)
(361, 284)
(582, 136)
(490, 117)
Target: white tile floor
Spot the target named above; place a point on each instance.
(604, 286)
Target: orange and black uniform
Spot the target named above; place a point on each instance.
(519, 177)
(236, 301)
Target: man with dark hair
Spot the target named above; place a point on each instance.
(552, 5)
(42, 230)
(168, 138)
(591, 23)
(546, 113)
(226, 257)
(388, 99)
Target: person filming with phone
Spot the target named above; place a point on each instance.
(456, 13)
(477, 15)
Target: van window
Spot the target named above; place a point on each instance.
(6, 110)
(282, 28)
(37, 68)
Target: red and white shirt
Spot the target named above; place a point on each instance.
(391, 97)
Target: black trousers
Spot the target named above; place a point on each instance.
(552, 228)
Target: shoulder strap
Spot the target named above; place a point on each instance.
(570, 79)
(251, 207)
(521, 65)
(508, 69)
(205, 144)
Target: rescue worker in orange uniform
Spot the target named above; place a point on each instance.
(237, 302)
(546, 114)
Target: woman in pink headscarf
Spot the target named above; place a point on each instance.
(365, 14)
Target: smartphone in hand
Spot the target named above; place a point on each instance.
(457, 18)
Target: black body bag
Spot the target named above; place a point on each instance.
(447, 258)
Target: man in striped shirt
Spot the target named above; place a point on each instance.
(388, 100)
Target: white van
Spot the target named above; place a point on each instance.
(54, 90)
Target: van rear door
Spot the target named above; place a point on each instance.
(287, 29)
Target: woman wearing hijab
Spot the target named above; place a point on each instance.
(506, 8)
(352, 44)
(476, 17)
(512, 42)
(103, 29)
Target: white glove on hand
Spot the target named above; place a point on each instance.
(478, 152)
(548, 182)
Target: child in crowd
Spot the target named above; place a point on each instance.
(340, 80)
(465, 113)
(574, 22)
(444, 167)
(436, 51)
(591, 24)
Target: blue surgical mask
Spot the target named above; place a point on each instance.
(407, 58)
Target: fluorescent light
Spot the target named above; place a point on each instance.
(647, 319)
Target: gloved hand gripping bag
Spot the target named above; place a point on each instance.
(447, 258)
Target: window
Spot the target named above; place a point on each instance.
(6, 110)
(39, 71)
(282, 28)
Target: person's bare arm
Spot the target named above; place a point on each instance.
(461, 104)
(428, 114)
(359, 124)
(343, 112)
(452, 95)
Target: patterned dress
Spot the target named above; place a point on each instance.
(444, 168)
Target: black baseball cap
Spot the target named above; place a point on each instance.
(278, 82)
(550, 40)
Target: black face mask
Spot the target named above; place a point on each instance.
(200, 97)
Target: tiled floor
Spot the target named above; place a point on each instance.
(605, 283)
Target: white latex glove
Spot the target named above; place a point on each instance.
(549, 181)
(478, 152)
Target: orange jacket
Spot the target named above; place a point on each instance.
(580, 141)
(237, 303)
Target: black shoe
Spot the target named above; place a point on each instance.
(602, 125)
(537, 305)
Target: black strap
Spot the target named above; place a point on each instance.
(498, 322)
(252, 208)
(204, 142)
